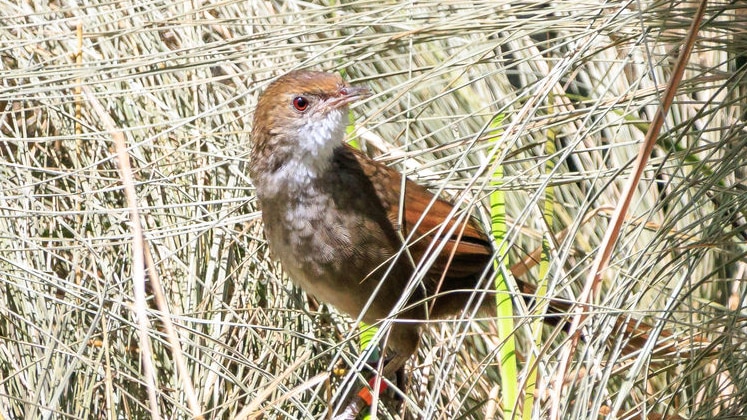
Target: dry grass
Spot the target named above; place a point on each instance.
(178, 81)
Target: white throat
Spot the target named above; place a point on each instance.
(319, 137)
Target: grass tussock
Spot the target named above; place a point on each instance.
(193, 317)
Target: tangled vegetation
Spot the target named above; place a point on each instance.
(134, 277)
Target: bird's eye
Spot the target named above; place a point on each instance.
(300, 103)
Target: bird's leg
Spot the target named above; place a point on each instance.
(393, 368)
(403, 340)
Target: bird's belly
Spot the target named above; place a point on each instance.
(348, 293)
(324, 259)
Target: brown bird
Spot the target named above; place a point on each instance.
(336, 219)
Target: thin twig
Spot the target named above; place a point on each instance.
(591, 287)
(138, 249)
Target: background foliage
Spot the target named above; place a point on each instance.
(574, 86)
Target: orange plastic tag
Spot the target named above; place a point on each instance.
(365, 393)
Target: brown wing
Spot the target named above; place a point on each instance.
(467, 250)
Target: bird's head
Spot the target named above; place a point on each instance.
(300, 119)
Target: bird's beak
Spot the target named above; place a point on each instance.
(348, 95)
